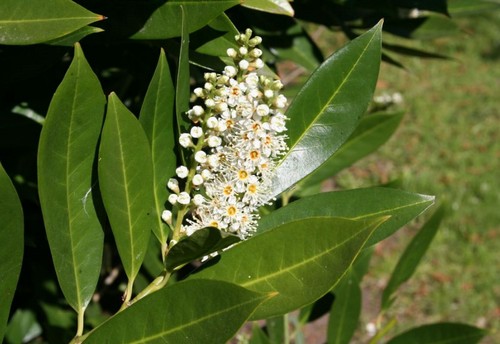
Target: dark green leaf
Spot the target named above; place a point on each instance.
(371, 133)
(166, 20)
(345, 312)
(67, 183)
(299, 260)
(401, 205)
(11, 245)
(199, 244)
(215, 38)
(411, 257)
(37, 21)
(449, 333)
(157, 119)
(195, 311)
(271, 6)
(258, 336)
(327, 109)
(23, 327)
(126, 182)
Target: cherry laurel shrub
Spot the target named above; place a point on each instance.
(213, 208)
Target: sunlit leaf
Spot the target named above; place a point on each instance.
(75, 36)
(411, 257)
(11, 245)
(37, 21)
(271, 6)
(157, 119)
(299, 260)
(401, 206)
(327, 109)
(449, 333)
(67, 184)
(126, 183)
(196, 311)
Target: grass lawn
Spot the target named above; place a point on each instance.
(448, 146)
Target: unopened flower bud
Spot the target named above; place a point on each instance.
(243, 51)
(230, 71)
(166, 216)
(210, 103)
(198, 110)
(268, 93)
(231, 52)
(173, 199)
(196, 132)
(182, 172)
(184, 198)
(173, 185)
(200, 157)
(197, 180)
(244, 64)
(262, 110)
(212, 122)
(198, 91)
(185, 140)
(214, 141)
(198, 200)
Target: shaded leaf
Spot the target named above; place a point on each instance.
(11, 245)
(270, 6)
(199, 244)
(327, 109)
(215, 38)
(258, 335)
(196, 311)
(67, 183)
(157, 120)
(37, 21)
(372, 132)
(411, 257)
(449, 333)
(301, 270)
(466, 7)
(344, 316)
(75, 36)
(165, 21)
(126, 182)
(23, 327)
(402, 206)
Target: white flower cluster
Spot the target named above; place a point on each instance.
(237, 135)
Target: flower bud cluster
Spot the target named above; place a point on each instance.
(236, 137)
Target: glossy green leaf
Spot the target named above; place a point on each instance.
(195, 311)
(327, 109)
(367, 203)
(215, 38)
(11, 245)
(199, 244)
(75, 36)
(67, 183)
(411, 257)
(157, 120)
(126, 182)
(36, 21)
(166, 20)
(344, 316)
(183, 92)
(449, 333)
(372, 132)
(299, 260)
(270, 6)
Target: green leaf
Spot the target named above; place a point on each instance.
(36, 21)
(372, 132)
(327, 109)
(449, 333)
(182, 91)
(11, 245)
(411, 257)
(270, 6)
(258, 335)
(195, 311)
(74, 37)
(199, 244)
(166, 20)
(23, 327)
(215, 38)
(367, 203)
(157, 119)
(299, 260)
(344, 316)
(67, 183)
(466, 7)
(126, 182)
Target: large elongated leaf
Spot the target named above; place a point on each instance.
(411, 257)
(196, 311)
(449, 333)
(37, 21)
(166, 20)
(367, 203)
(328, 108)
(157, 119)
(371, 133)
(66, 181)
(11, 245)
(126, 182)
(271, 6)
(299, 260)
(344, 316)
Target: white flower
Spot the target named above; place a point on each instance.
(198, 110)
(200, 157)
(244, 64)
(182, 172)
(196, 132)
(212, 122)
(262, 110)
(197, 180)
(230, 71)
(184, 198)
(185, 140)
(231, 52)
(198, 200)
(214, 141)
